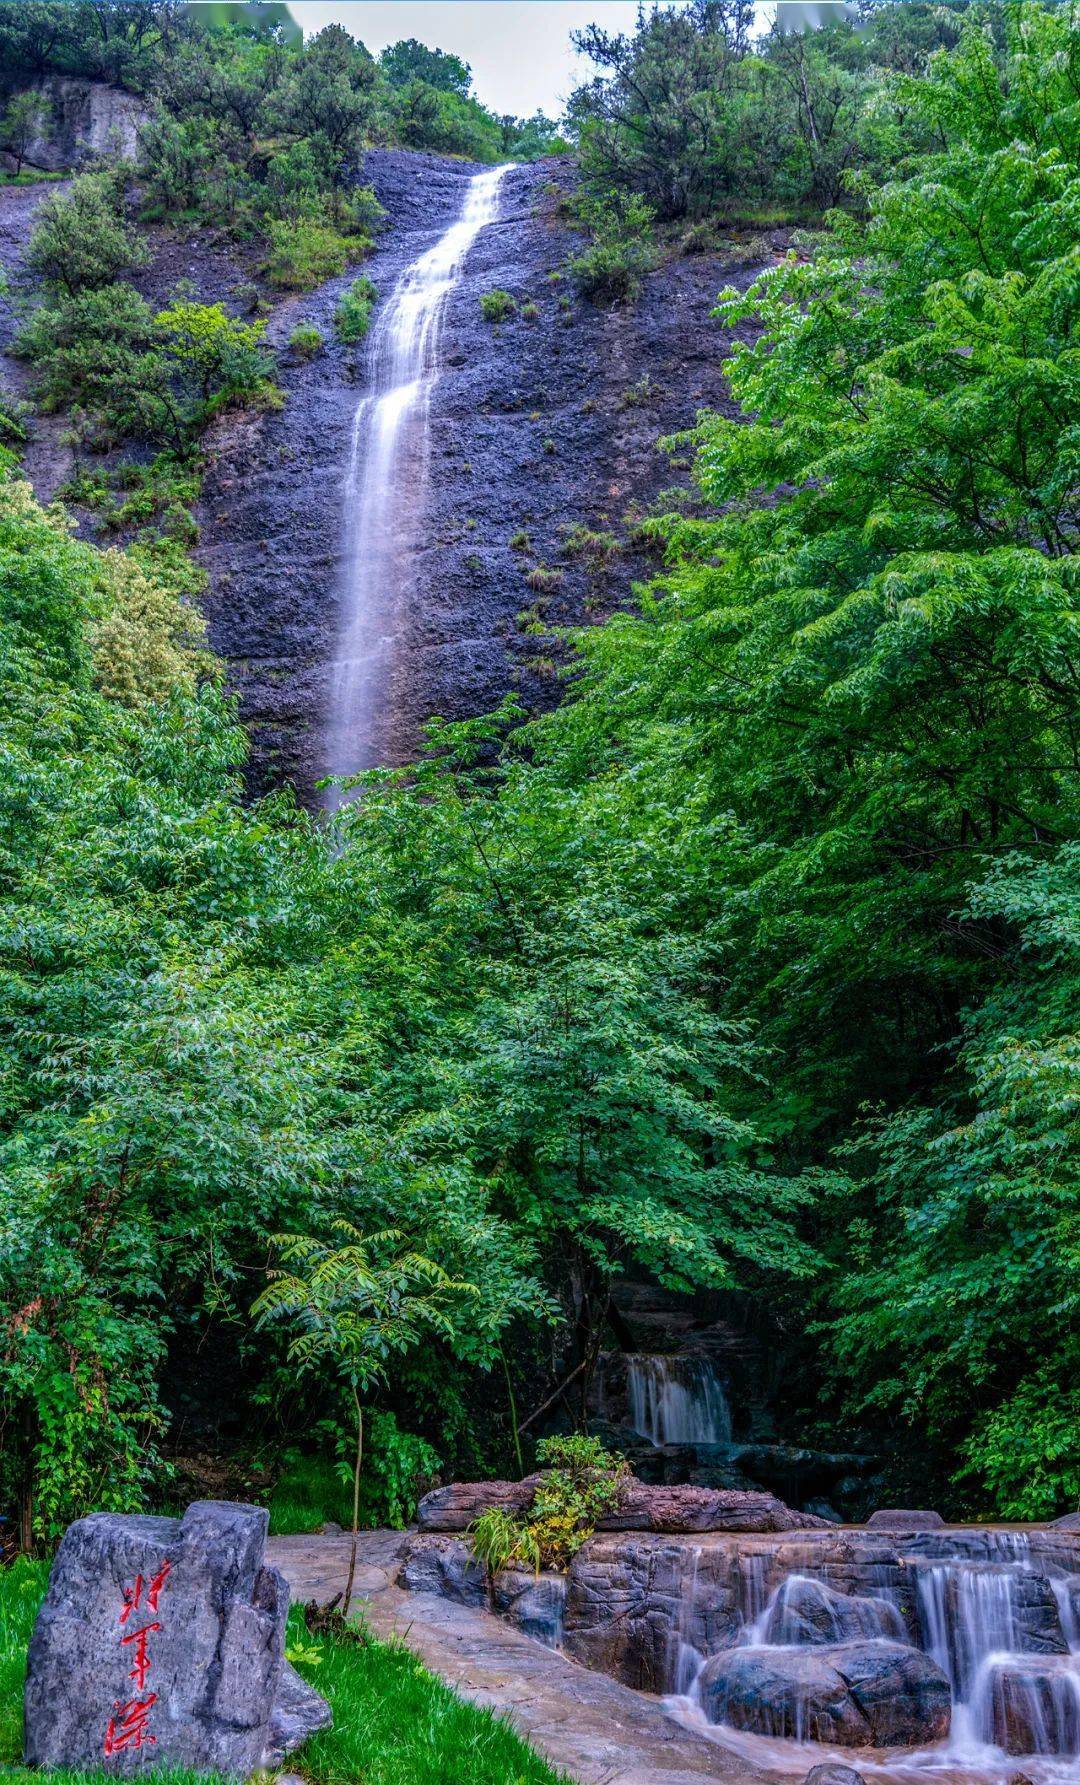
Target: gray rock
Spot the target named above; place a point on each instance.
(453, 1508)
(861, 1694)
(436, 1563)
(1032, 1707)
(85, 120)
(1070, 1521)
(161, 1644)
(893, 1518)
(807, 1611)
(824, 1509)
(829, 1774)
(299, 1711)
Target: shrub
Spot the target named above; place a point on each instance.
(596, 548)
(519, 541)
(303, 253)
(579, 1483)
(530, 311)
(81, 240)
(550, 447)
(636, 396)
(352, 318)
(306, 341)
(621, 250)
(544, 579)
(497, 305)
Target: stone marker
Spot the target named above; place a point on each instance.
(161, 1644)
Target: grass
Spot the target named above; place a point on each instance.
(395, 1723)
(308, 1494)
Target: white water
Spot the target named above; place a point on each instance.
(677, 1400)
(386, 477)
(972, 1594)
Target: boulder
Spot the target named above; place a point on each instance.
(161, 1644)
(1031, 1707)
(829, 1774)
(687, 1509)
(808, 1611)
(454, 1508)
(863, 1694)
(1069, 1521)
(893, 1518)
(433, 1563)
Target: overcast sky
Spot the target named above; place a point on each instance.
(519, 50)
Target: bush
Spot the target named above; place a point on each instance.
(621, 250)
(497, 305)
(303, 252)
(306, 341)
(352, 318)
(81, 240)
(580, 1481)
(544, 578)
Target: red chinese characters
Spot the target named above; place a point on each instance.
(128, 1726)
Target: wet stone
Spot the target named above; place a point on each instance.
(161, 1644)
(868, 1694)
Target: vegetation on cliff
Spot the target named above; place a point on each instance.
(753, 965)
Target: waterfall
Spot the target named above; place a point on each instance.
(386, 474)
(677, 1400)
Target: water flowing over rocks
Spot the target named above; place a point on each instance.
(961, 1644)
(161, 1643)
(869, 1694)
(531, 425)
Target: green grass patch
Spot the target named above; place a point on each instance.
(352, 318)
(394, 1722)
(309, 1492)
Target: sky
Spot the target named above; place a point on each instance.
(519, 50)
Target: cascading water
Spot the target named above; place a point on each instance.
(386, 475)
(1003, 1629)
(677, 1400)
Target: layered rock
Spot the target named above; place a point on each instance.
(808, 1611)
(641, 1507)
(870, 1694)
(1031, 1707)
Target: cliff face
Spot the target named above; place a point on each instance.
(535, 426)
(86, 119)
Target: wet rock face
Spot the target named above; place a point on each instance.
(1033, 1708)
(161, 1644)
(86, 119)
(877, 1694)
(632, 1600)
(535, 425)
(534, 1602)
(810, 1612)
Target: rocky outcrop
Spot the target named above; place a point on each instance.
(444, 1565)
(163, 1640)
(534, 1602)
(872, 1694)
(85, 119)
(807, 1611)
(543, 422)
(1034, 1707)
(641, 1508)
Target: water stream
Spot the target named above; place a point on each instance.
(677, 1400)
(385, 480)
(1004, 1630)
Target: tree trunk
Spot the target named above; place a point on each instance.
(355, 1501)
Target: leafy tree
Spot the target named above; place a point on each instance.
(25, 118)
(81, 239)
(356, 1307)
(409, 60)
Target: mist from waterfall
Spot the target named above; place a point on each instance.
(677, 1400)
(385, 480)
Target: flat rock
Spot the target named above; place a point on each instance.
(863, 1694)
(161, 1644)
(895, 1518)
(453, 1508)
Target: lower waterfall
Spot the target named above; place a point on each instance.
(385, 479)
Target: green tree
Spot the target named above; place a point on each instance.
(357, 1306)
(81, 239)
(25, 118)
(409, 60)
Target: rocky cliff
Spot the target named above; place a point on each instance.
(537, 424)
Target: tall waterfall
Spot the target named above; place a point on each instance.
(677, 1400)
(387, 469)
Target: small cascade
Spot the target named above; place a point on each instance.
(677, 1400)
(384, 485)
(1003, 1629)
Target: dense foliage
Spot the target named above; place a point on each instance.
(753, 966)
